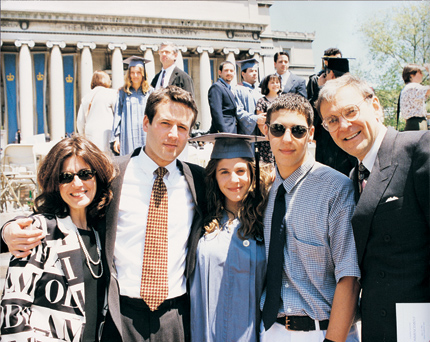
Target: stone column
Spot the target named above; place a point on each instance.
(117, 65)
(179, 60)
(26, 103)
(150, 67)
(86, 66)
(57, 113)
(205, 83)
(230, 57)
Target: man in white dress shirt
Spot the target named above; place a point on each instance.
(291, 83)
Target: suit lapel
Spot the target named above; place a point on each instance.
(229, 92)
(379, 179)
(289, 84)
(174, 74)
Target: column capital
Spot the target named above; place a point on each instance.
(19, 43)
(51, 44)
(183, 48)
(252, 52)
(226, 51)
(201, 49)
(81, 45)
(113, 46)
(144, 47)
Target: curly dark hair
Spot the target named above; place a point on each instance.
(252, 209)
(50, 201)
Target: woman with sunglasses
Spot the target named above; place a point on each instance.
(271, 89)
(230, 268)
(57, 292)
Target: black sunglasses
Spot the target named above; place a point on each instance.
(84, 174)
(298, 131)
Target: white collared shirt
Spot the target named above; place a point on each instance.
(284, 78)
(369, 159)
(167, 76)
(133, 211)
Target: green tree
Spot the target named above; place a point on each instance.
(395, 38)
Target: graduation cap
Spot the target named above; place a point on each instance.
(338, 64)
(247, 63)
(136, 60)
(230, 146)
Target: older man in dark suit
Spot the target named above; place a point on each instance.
(391, 222)
(170, 74)
(133, 313)
(222, 101)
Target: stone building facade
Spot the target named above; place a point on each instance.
(56, 45)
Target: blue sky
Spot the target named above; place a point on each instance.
(335, 23)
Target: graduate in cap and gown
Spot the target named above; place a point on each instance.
(230, 267)
(127, 129)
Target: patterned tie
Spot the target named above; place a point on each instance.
(162, 79)
(154, 285)
(275, 262)
(363, 174)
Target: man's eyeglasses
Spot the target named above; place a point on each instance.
(84, 174)
(349, 113)
(278, 130)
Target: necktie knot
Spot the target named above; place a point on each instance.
(161, 172)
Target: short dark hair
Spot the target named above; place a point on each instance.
(170, 93)
(332, 52)
(221, 66)
(265, 83)
(48, 177)
(292, 102)
(100, 78)
(281, 53)
(410, 70)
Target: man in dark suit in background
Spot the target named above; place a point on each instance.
(170, 74)
(222, 101)
(391, 222)
(290, 83)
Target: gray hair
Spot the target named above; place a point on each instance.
(330, 89)
(172, 45)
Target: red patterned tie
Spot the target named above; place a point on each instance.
(154, 285)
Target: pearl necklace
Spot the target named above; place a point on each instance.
(87, 255)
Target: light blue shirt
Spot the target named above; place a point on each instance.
(320, 247)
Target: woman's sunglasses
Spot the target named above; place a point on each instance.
(84, 174)
(278, 130)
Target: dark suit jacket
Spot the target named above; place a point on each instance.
(392, 232)
(295, 84)
(223, 108)
(193, 175)
(178, 78)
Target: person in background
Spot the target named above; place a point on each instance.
(170, 74)
(127, 132)
(392, 218)
(57, 291)
(290, 83)
(230, 267)
(413, 97)
(312, 277)
(271, 89)
(95, 116)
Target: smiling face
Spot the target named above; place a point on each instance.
(227, 73)
(234, 179)
(274, 86)
(167, 56)
(357, 137)
(169, 132)
(282, 64)
(289, 152)
(136, 76)
(77, 194)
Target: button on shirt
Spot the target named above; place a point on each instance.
(133, 212)
(167, 76)
(320, 247)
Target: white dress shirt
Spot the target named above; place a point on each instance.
(370, 157)
(284, 78)
(133, 212)
(167, 76)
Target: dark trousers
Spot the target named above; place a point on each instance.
(170, 322)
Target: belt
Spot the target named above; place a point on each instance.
(301, 323)
(139, 303)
